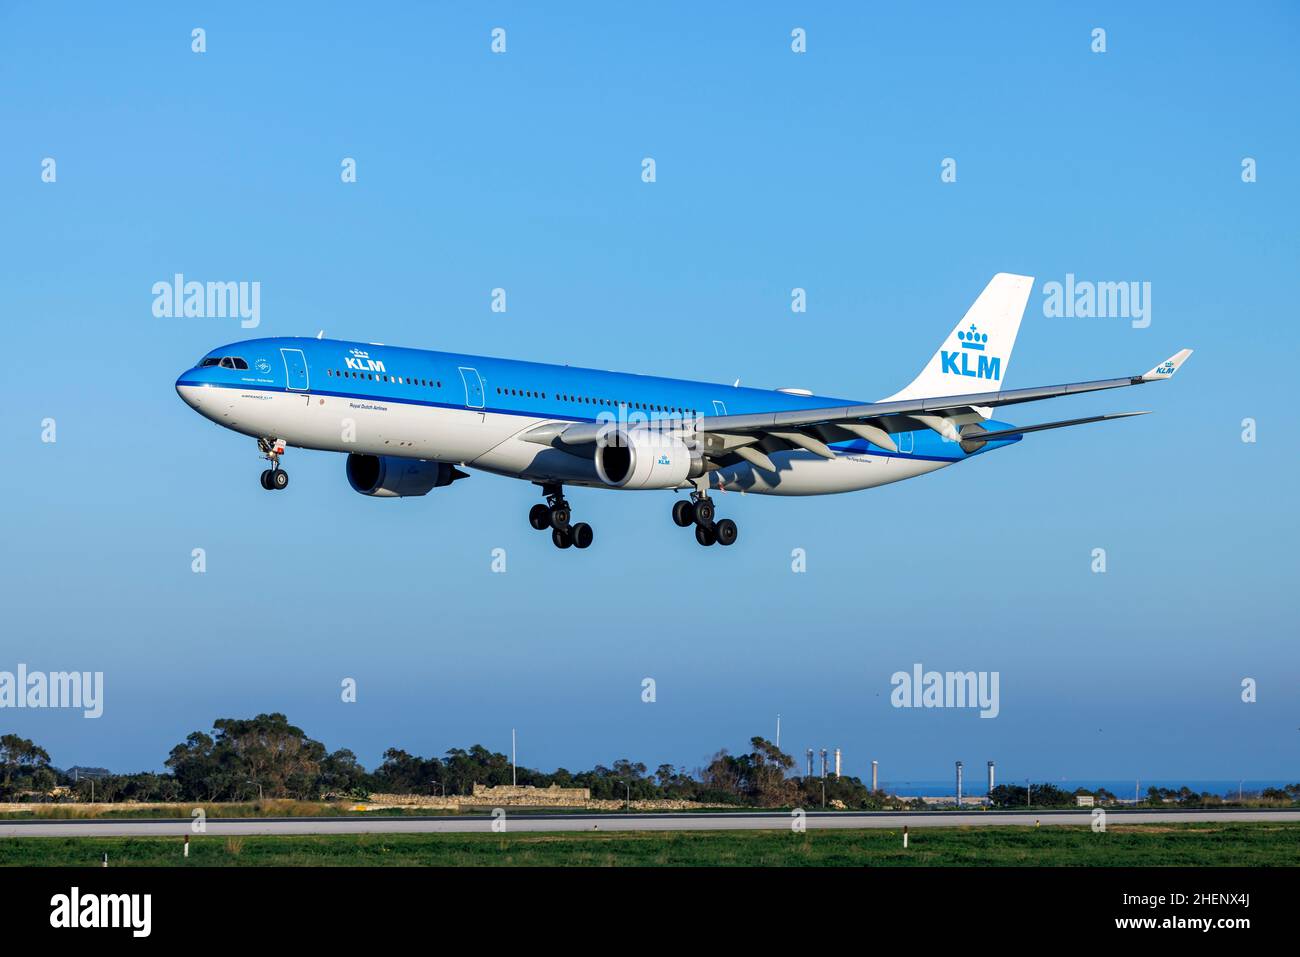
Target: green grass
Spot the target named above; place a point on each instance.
(1245, 844)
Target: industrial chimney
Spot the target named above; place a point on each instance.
(837, 762)
(810, 761)
(990, 777)
(875, 770)
(959, 784)
(823, 762)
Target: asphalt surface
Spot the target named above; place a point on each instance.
(524, 822)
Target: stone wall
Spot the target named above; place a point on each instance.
(450, 803)
(501, 795)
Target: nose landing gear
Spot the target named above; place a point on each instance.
(274, 478)
(555, 515)
(699, 512)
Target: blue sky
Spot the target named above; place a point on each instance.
(774, 170)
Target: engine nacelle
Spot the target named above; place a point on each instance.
(645, 458)
(388, 476)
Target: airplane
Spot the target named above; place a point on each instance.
(410, 420)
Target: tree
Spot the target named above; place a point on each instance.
(404, 773)
(278, 759)
(264, 754)
(759, 776)
(197, 769)
(342, 773)
(19, 757)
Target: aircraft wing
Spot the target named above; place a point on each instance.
(815, 429)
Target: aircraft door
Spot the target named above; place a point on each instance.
(473, 387)
(295, 369)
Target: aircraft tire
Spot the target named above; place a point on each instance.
(683, 514)
(726, 532)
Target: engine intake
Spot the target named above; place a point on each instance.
(645, 458)
(388, 476)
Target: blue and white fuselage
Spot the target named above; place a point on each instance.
(367, 399)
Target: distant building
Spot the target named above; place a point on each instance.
(1084, 800)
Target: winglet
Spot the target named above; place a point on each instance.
(1167, 368)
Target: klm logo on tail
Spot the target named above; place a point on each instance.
(961, 362)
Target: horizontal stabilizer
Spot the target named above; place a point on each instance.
(974, 437)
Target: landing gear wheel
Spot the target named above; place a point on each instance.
(279, 479)
(539, 516)
(561, 537)
(704, 512)
(683, 514)
(726, 532)
(266, 480)
(560, 517)
(705, 535)
(582, 535)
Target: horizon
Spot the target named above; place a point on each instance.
(902, 786)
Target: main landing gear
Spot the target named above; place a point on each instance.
(699, 512)
(274, 478)
(555, 515)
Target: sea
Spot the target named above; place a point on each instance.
(975, 783)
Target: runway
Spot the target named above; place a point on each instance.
(533, 822)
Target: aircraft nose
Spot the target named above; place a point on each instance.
(187, 387)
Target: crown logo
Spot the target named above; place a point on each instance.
(360, 354)
(972, 339)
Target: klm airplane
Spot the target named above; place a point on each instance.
(410, 419)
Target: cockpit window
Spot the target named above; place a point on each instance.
(225, 362)
(209, 361)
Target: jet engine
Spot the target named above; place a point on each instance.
(645, 458)
(388, 476)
